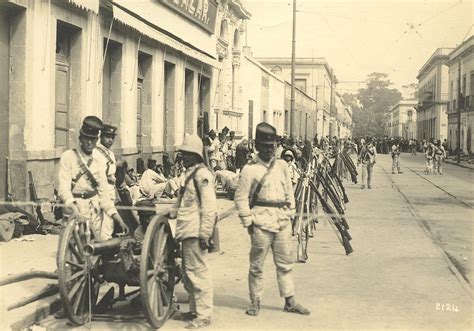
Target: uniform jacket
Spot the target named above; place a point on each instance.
(367, 154)
(277, 188)
(110, 164)
(214, 149)
(196, 215)
(69, 170)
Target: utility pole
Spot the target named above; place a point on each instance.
(331, 126)
(458, 160)
(293, 53)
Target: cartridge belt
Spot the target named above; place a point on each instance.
(86, 195)
(272, 204)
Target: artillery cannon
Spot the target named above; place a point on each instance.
(85, 263)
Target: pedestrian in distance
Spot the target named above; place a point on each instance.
(429, 156)
(439, 156)
(83, 185)
(196, 214)
(396, 157)
(267, 218)
(367, 157)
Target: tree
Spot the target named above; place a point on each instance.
(371, 103)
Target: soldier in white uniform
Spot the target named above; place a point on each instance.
(267, 218)
(107, 139)
(196, 213)
(83, 185)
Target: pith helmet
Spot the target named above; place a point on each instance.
(192, 144)
(265, 134)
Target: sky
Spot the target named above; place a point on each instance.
(360, 37)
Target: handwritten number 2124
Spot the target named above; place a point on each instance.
(446, 307)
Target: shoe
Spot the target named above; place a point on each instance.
(369, 187)
(254, 308)
(297, 309)
(198, 323)
(393, 173)
(400, 172)
(187, 316)
(363, 187)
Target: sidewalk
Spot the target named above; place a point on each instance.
(22, 256)
(450, 160)
(396, 277)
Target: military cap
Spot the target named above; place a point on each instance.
(211, 133)
(225, 130)
(109, 130)
(221, 134)
(265, 134)
(232, 133)
(91, 125)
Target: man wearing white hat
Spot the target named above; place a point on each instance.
(196, 213)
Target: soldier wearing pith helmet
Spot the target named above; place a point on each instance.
(267, 217)
(196, 212)
(83, 185)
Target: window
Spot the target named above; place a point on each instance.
(300, 84)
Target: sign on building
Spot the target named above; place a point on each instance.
(201, 12)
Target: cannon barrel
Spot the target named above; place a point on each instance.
(111, 246)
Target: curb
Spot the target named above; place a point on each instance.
(48, 307)
(459, 165)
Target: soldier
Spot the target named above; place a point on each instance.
(83, 185)
(289, 158)
(439, 156)
(231, 147)
(396, 157)
(213, 146)
(223, 151)
(196, 213)
(367, 156)
(107, 139)
(267, 219)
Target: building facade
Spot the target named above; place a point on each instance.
(461, 70)
(148, 67)
(432, 118)
(403, 122)
(315, 78)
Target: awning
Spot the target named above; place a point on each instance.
(148, 30)
(92, 5)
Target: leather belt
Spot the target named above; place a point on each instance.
(272, 204)
(86, 195)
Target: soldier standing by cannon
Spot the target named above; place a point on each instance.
(196, 213)
(83, 185)
(267, 219)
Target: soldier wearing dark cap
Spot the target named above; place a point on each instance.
(107, 139)
(267, 182)
(83, 185)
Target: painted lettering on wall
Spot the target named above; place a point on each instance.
(202, 12)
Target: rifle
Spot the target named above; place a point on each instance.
(345, 236)
(34, 198)
(8, 184)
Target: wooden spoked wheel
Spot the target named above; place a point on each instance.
(157, 272)
(78, 273)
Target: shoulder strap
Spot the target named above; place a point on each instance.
(259, 186)
(192, 176)
(104, 153)
(85, 171)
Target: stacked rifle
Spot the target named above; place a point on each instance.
(319, 185)
(343, 165)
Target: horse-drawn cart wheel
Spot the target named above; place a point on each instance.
(157, 272)
(77, 272)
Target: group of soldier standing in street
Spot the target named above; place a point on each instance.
(87, 187)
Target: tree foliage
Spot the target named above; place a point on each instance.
(371, 103)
